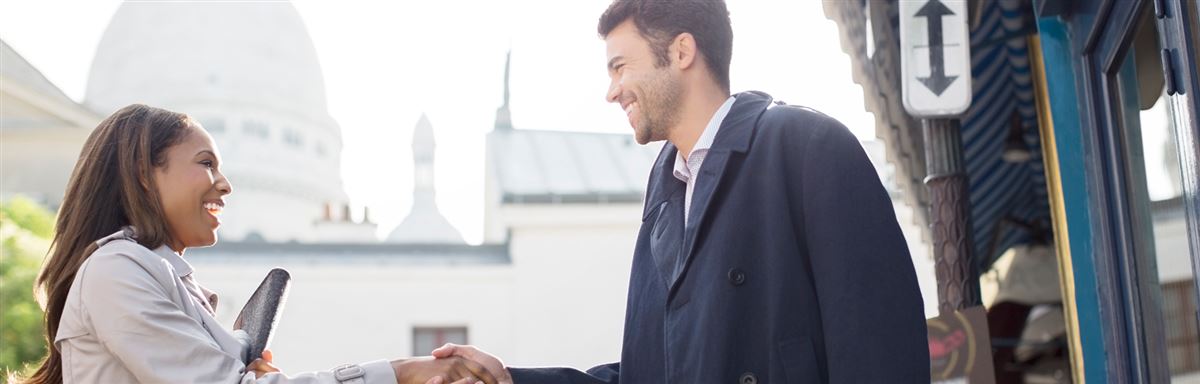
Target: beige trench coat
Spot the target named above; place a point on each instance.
(136, 315)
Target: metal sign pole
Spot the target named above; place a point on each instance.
(936, 66)
(950, 217)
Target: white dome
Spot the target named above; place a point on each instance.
(249, 73)
(256, 53)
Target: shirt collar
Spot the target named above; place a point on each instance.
(128, 232)
(181, 266)
(704, 142)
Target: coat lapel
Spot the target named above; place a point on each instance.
(734, 136)
(664, 201)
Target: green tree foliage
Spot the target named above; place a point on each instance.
(28, 215)
(25, 232)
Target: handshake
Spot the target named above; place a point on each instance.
(452, 364)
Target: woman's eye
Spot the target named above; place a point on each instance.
(207, 163)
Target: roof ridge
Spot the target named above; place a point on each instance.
(40, 77)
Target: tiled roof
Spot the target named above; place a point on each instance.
(567, 167)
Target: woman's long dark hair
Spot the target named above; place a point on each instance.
(112, 186)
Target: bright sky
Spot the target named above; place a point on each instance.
(386, 62)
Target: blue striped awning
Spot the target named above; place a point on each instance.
(1002, 87)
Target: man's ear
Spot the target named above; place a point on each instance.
(683, 50)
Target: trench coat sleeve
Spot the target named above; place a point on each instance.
(871, 309)
(602, 374)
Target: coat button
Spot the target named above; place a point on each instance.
(737, 276)
(748, 378)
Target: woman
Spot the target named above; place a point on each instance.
(121, 303)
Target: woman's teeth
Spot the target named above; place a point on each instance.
(213, 208)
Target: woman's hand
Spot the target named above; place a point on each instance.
(262, 365)
(470, 352)
(439, 380)
(427, 370)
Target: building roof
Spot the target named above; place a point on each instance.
(357, 253)
(425, 224)
(532, 166)
(557, 167)
(19, 70)
(27, 84)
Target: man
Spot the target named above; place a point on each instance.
(769, 250)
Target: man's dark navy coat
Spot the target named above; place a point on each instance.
(791, 269)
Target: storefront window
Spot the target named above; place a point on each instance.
(1154, 188)
(1164, 191)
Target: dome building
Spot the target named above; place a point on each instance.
(249, 73)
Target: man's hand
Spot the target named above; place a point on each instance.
(422, 370)
(492, 363)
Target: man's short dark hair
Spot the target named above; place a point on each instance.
(660, 21)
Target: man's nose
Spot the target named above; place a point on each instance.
(614, 92)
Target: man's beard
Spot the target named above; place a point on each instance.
(659, 108)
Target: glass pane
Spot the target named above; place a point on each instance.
(1156, 212)
(1175, 273)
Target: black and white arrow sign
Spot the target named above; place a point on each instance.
(937, 80)
(936, 57)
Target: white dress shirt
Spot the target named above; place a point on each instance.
(688, 170)
(138, 315)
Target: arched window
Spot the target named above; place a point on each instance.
(292, 137)
(256, 129)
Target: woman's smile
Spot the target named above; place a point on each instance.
(214, 209)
